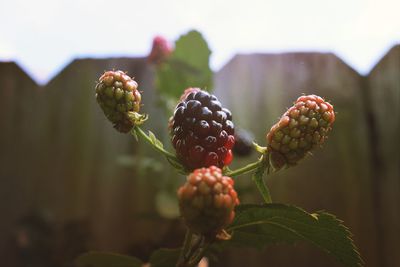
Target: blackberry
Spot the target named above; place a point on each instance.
(160, 50)
(243, 143)
(188, 91)
(202, 131)
(207, 201)
(301, 128)
(182, 97)
(117, 95)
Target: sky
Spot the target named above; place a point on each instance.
(43, 36)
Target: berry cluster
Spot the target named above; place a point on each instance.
(207, 201)
(203, 135)
(202, 131)
(117, 95)
(301, 128)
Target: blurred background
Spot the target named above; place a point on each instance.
(70, 183)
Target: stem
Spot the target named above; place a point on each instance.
(197, 258)
(262, 187)
(185, 247)
(259, 167)
(140, 132)
(189, 249)
(195, 246)
(246, 169)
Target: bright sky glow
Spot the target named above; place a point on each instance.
(44, 35)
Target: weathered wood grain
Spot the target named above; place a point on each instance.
(383, 102)
(60, 156)
(84, 180)
(258, 88)
(19, 96)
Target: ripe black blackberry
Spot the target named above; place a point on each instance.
(202, 131)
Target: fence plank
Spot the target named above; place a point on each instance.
(86, 173)
(18, 103)
(258, 88)
(384, 104)
(60, 155)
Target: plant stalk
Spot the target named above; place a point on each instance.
(142, 134)
(197, 258)
(263, 188)
(246, 169)
(185, 248)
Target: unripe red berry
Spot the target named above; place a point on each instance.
(160, 50)
(207, 201)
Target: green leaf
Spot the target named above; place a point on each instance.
(259, 181)
(166, 203)
(154, 140)
(187, 66)
(140, 163)
(165, 257)
(134, 134)
(259, 149)
(177, 165)
(260, 225)
(192, 49)
(105, 259)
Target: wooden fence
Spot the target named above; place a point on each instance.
(59, 156)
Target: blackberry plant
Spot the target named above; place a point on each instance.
(202, 133)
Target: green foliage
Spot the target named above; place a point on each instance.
(259, 181)
(158, 145)
(155, 141)
(254, 225)
(166, 204)
(187, 66)
(172, 160)
(141, 164)
(193, 50)
(261, 225)
(164, 257)
(104, 259)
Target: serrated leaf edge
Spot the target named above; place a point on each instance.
(127, 257)
(340, 224)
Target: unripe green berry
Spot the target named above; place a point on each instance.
(301, 128)
(117, 95)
